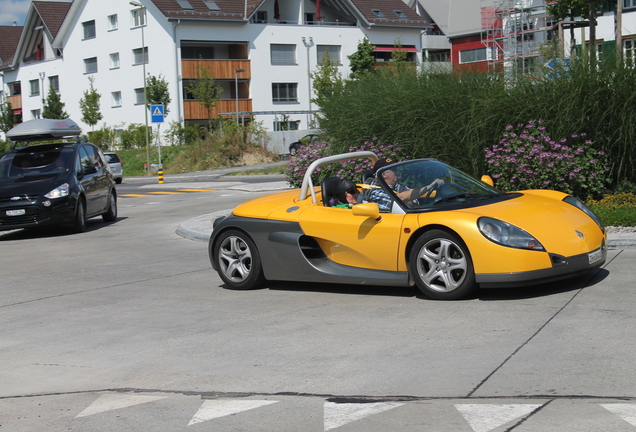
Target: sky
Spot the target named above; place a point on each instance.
(15, 10)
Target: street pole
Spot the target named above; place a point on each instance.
(142, 12)
(236, 72)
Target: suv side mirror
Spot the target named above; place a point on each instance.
(90, 169)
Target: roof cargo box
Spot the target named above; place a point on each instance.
(42, 129)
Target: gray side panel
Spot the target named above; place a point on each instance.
(288, 255)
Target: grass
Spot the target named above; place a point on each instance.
(615, 210)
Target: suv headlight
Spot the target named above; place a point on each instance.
(59, 192)
(506, 234)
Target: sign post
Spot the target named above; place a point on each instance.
(157, 115)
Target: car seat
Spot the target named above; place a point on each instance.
(367, 176)
(329, 190)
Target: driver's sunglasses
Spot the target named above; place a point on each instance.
(353, 191)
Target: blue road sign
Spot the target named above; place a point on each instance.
(156, 112)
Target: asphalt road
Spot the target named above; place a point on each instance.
(127, 328)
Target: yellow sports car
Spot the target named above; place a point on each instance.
(416, 222)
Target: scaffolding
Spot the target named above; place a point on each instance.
(514, 33)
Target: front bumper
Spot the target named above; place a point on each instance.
(563, 268)
(37, 214)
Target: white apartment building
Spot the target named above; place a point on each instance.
(265, 49)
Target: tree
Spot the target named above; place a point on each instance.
(362, 61)
(53, 106)
(7, 119)
(326, 80)
(158, 93)
(569, 9)
(89, 105)
(205, 90)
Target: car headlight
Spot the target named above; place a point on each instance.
(59, 192)
(578, 204)
(506, 234)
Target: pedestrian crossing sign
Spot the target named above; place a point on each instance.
(156, 112)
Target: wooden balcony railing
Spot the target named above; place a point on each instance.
(218, 69)
(15, 101)
(193, 110)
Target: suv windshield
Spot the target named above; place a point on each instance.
(36, 160)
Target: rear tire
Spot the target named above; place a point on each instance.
(111, 213)
(238, 261)
(79, 222)
(118, 180)
(441, 266)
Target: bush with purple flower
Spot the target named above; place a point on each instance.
(353, 169)
(528, 158)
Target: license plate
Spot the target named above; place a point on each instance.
(595, 256)
(19, 212)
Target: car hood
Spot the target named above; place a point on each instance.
(32, 184)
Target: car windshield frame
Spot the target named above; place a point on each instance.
(459, 189)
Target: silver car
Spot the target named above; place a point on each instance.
(116, 166)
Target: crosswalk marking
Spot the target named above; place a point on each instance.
(486, 417)
(216, 408)
(625, 411)
(339, 414)
(109, 402)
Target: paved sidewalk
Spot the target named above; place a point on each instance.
(200, 227)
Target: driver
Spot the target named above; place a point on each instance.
(383, 199)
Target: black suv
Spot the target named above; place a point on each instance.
(54, 184)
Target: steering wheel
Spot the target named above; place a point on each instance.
(417, 193)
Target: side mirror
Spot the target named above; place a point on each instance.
(370, 210)
(90, 169)
(488, 180)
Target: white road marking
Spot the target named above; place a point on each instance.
(486, 417)
(215, 408)
(110, 402)
(339, 414)
(625, 411)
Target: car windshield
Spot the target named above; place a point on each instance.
(450, 185)
(49, 160)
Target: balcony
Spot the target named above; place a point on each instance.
(218, 69)
(15, 101)
(193, 110)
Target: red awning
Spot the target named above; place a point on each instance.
(392, 48)
(17, 111)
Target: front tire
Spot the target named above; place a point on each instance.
(441, 266)
(111, 213)
(238, 261)
(79, 222)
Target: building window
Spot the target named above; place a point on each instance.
(197, 52)
(378, 13)
(310, 18)
(112, 22)
(90, 65)
(34, 87)
(138, 17)
(439, 56)
(283, 54)
(140, 56)
(116, 98)
(15, 88)
(286, 125)
(400, 14)
(629, 3)
(54, 83)
(35, 114)
(89, 29)
(261, 17)
(473, 55)
(284, 92)
(332, 51)
(140, 97)
(629, 51)
(114, 61)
